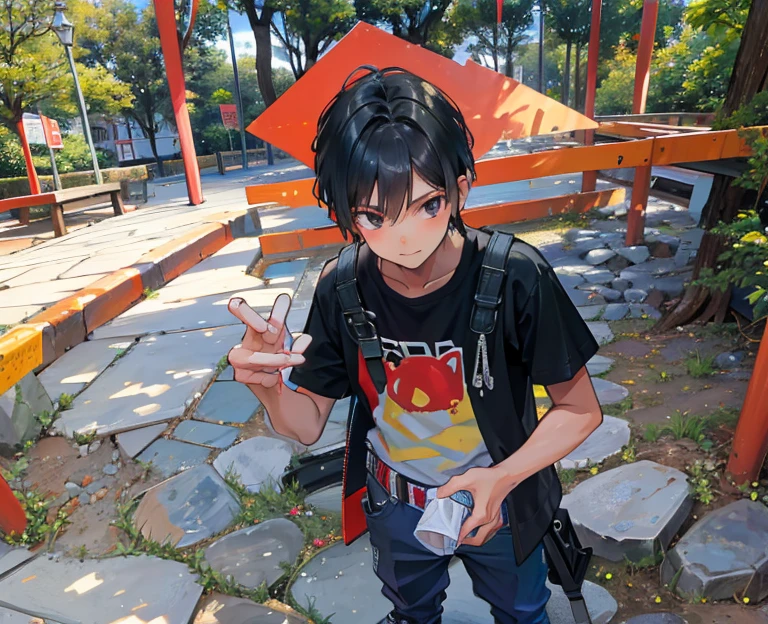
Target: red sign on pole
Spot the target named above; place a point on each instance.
(229, 116)
(52, 132)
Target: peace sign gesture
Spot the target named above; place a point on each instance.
(267, 348)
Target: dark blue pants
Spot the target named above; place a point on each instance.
(415, 579)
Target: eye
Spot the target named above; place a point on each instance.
(432, 207)
(369, 220)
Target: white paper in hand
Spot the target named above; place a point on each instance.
(440, 525)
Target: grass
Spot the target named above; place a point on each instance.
(36, 507)
(699, 366)
(623, 406)
(149, 293)
(84, 438)
(652, 432)
(567, 475)
(724, 416)
(65, 401)
(686, 425)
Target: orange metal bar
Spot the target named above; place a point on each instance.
(34, 181)
(294, 194)
(636, 218)
(169, 41)
(644, 55)
(750, 442)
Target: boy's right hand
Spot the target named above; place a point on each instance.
(262, 355)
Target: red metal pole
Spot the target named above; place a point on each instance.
(750, 443)
(34, 181)
(642, 184)
(589, 178)
(169, 40)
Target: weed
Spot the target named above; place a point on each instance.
(146, 468)
(628, 452)
(65, 401)
(664, 376)
(16, 469)
(36, 507)
(755, 491)
(567, 475)
(699, 366)
(311, 613)
(649, 561)
(652, 432)
(120, 353)
(686, 425)
(45, 418)
(223, 363)
(725, 417)
(151, 294)
(624, 405)
(700, 478)
(84, 438)
(82, 553)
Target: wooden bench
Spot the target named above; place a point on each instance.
(78, 197)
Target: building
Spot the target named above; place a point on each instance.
(124, 138)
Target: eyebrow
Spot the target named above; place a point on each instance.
(376, 208)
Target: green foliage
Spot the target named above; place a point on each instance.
(699, 366)
(664, 376)
(701, 476)
(629, 452)
(567, 475)
(222, 364)
(222, 96)
(65, 401)
(84, 438)
(38, 529)
(686, 425)
(755, 491)
(409, 20)
(652, 432)
(720, 18)
(149, 293)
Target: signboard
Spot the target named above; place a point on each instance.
(125, 150)
(229, 116)
(52, 132)
(33, 128)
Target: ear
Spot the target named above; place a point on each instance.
(463, 184)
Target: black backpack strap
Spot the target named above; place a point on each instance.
(488, 295)
(357, 320)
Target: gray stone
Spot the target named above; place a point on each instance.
(109, 469)
(228, 401)
(254, 555)
(187, 509)
(691, 239)
(19, 407)
(570, 281)
(672, 286)
(585, 246)
(207, 434)
(221, 609)
(668, 239)
(599, 276)
(656, 618)
(151, 384)
(156, 590)
(609, 294)
(569, 266)
(632, 511)
(620, 284)
(285, 272)
(727, 361)
(683, 257)
(608, 392)
(327, 499)
(639, 281)
(171, 456)
(258, 462)
(643, 309)
(605, 441)
(10, 557)
(95, 486)
(635, 254)
(115, 456)
(134, 442)
(581, 298)
(601, 331)
(73, 489)
(655, 267)
(723, 554)
(14, 617)
(590, 312)
(599, 364)
(615, 311)
(599, 256)
(95, 446)
(228, 374)
(573, 234)
(84, 499)
(635, 295)
(79, 366)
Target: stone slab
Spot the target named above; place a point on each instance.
(80, 366)
(326, 499)
(599, 256)
(14, 617)
(207, 434)
(171, 456)
(125, 588)
(221, 609)
(632, 511)
(615, 311)
(10, 557)
(228, 374)
(589, 312)
(285, 272)
(19, 407)
(151, 384)
(724, 553)
(601, 331)
(47, 292)
(228, 401)
(605, 441)
(134, 442)
(259, 462)
(254, 555)
(187, 509)
(656, 618)
(103, 263)
(154, 316)
(599, 364)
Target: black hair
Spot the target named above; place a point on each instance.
(380, 128)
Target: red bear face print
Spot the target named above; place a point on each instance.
(425, 383)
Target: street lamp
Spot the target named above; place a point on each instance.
(541, 46)
(66, 31)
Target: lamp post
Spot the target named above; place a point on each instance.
(238, 95)
(66, 32)
(541, 45)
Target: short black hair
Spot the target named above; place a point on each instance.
(378, 129)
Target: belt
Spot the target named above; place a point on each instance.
(396, 484)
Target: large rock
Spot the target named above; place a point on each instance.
(20, 408)
(254, 555)
(259, 462)
(636, 254)
(221, 609)
(609, 392)
(10, 557)
(598, 256)
(171, 456)
(228, 401)
(208, 434)
(601, 331)
(605, 441)
(134, 442)
(631, 512)
(94, 591)
(599, 364)
(724, 553)
(615, 311)
(599, 276)
(187, 509)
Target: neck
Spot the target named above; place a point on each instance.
(433, 272)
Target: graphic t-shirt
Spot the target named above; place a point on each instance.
(425, 426)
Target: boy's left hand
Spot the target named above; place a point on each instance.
(489, 488)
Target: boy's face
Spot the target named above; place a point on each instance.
(419, 228)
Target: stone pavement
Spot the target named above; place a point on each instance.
(154, 378)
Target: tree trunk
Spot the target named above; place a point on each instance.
(577, 85)
(150, 132)
(749, 76)
(508, 66)
(495, 47)
(567, 74)
(261, 27)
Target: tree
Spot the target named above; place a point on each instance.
(416, 21)
(478, 19)
(260, 14)
(307, 27)
(749, 76)
(569, 19)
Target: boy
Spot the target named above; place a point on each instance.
(394, 166)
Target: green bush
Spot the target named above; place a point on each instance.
(14, 187)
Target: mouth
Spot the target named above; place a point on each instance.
(411, 254)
